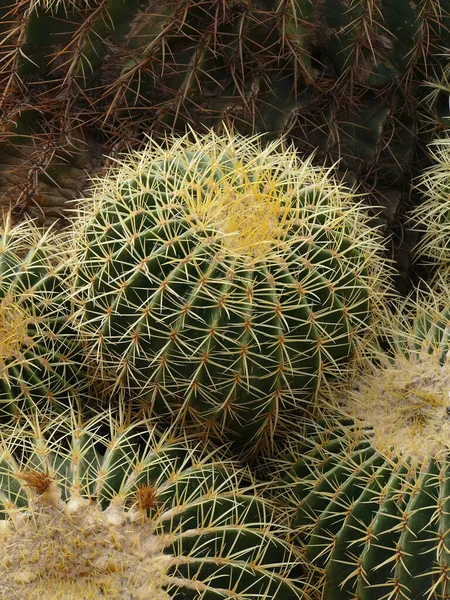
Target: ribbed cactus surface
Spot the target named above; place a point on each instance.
(374, 42)
(221, 280)
(99, 508)
(368, 488)
(432, 215)
(40, 358)
(373, 523)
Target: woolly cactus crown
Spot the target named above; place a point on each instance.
(403, 396)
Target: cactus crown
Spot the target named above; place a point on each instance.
(405, 405)
(403, 397)
(252, 196)
(15, 316)
(13, 330)
(40, 357)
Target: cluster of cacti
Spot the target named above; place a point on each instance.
(99, 508)
(373, 522)
(219, 280)
(221, 297)
(366, 488)
(343, 77)
(222, 280)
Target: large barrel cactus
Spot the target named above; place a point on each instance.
(40, 358)
(99, 509)
(221, 280)
(369, 486)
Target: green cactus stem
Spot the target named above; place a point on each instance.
(432, 215)
(368, 487)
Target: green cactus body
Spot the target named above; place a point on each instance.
(221, 280)
(40, 359)
(368, 488)
(372, 523)
(295, 24)
(111, 57)
(431, 329)
(97, 508)
(374, 138)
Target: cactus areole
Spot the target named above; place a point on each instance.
(223, 278)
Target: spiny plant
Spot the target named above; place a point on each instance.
(372, 134)
(101, 508)
(368, 487)
(373, 42)
(43, 164)
(102, 71)
(222, 280)
(92, 75)
(40, 357)
(432, 215)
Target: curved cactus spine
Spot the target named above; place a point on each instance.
(367, 489)
(100, 507)
(222, 280)
(373, 43)
(373, 136)
(40, 357)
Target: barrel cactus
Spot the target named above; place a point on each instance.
(222, 280)
(432, 215)
(40, 358)
(98, 508)
(368, 487)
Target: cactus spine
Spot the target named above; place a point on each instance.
(101, 72)
(103, 508)
(432, 215)
(222, 280)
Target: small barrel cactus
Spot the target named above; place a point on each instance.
(97, 508)
(40, 358)
(221, 280)
(368, 488)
